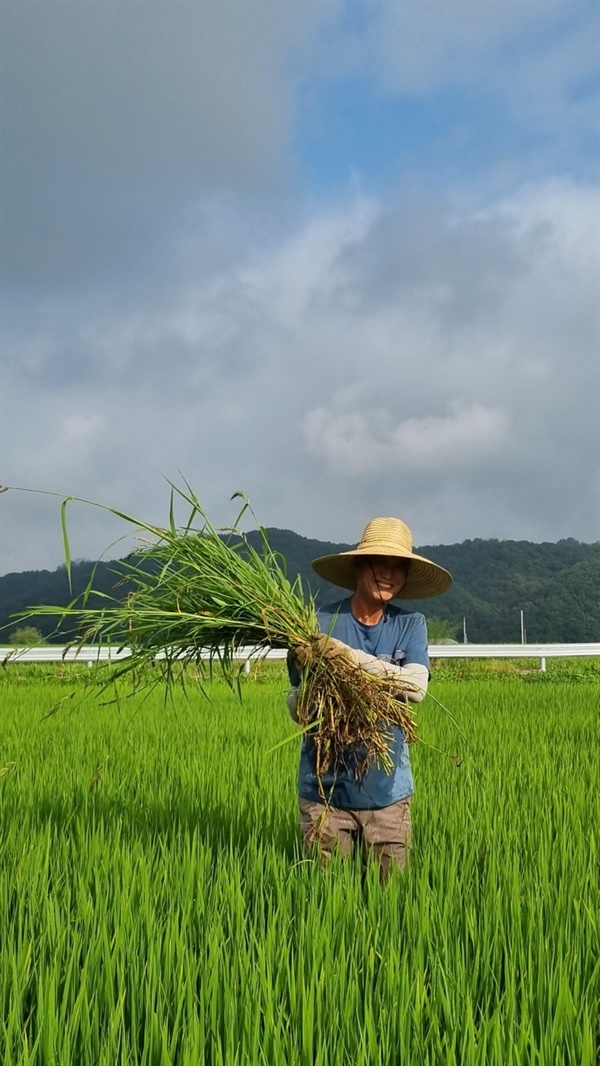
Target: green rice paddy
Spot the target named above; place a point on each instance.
(156, 908)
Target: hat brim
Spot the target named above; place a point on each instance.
(424, 577)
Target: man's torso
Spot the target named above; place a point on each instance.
(402, 637)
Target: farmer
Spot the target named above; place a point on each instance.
(386, 641)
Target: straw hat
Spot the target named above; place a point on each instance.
(386, 536)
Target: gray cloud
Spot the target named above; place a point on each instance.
(288, 374)
(466, 262)
(118, 116)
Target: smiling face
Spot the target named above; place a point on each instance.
(379, 578)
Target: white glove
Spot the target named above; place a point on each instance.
(292, 702)
(412, 673)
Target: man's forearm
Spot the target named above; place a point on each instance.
(413, 674)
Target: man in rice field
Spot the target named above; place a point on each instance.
(372, 811)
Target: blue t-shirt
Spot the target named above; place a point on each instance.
(400, 637)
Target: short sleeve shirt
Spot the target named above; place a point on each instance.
(401, 637)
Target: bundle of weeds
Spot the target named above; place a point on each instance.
(196, 594)
(349, 714)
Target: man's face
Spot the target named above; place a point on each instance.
(380, 577)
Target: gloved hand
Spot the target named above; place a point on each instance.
(321, 646)
(409, 680)
(292, 703)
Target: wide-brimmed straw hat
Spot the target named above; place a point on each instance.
(386, 536)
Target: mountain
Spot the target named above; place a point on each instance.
(556, 585)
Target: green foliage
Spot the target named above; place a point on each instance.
(556, 585)
(157, 908)
(26, 637)
(566, 671)
(441, 630)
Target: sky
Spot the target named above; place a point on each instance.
(340, 255)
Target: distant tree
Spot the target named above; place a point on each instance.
(26, 637)
(440, 630)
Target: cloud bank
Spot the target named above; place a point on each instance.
(179, 297)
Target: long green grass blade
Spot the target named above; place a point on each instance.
(65, 536)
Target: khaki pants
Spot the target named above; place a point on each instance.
(383, 834)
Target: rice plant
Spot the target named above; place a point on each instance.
(157, 907)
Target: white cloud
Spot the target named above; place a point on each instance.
(419, 47)
(302, 274)
(374, 441)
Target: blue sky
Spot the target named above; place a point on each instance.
(341, 254)
(468, 101)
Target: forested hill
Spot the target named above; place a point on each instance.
(557, 586)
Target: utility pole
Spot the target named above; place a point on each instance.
(522, 629)
(464, 630)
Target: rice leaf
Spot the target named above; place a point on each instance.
(65, 535)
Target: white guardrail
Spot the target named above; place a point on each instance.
(91, 654)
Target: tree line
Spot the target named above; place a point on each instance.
(555, 585)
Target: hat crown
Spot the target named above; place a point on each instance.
(386, 536)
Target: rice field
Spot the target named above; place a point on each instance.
(156, 908)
